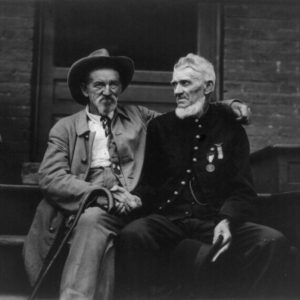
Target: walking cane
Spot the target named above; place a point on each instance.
(89, 200)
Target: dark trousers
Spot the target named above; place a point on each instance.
(251, 266)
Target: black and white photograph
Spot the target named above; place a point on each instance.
(149, 149)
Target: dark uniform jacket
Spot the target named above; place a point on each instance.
(197, 167)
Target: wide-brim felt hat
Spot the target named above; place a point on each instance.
(98, 59)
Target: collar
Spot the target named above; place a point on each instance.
(206, 120)
(96, 118)
(209, 119)
(81, 123)
(82, 120)
(121, 111)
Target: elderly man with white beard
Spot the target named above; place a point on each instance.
(197, 185)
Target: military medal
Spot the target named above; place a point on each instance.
(220, 151)
(210, 157)
(210, 168)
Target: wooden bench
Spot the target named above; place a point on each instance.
(18, 204)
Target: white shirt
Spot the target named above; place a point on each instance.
(100, 154)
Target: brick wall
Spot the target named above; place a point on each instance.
(16, 52)
(262, 66)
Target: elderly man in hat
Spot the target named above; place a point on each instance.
(94, 156)
(197, 185)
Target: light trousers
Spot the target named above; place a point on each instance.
(89, 269)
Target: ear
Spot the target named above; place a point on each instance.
(209, 87)
(83, 89)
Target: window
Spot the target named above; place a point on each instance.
(154, 33)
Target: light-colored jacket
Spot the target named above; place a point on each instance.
(64, 169)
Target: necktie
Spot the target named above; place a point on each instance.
(112, 147)
(105, 121)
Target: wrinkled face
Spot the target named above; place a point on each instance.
(103, 88)
(190, 91)
(188, 86)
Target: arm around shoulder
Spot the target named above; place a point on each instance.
(239, 109)
(148, 114)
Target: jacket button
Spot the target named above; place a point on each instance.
(176, 193)
(183, 182)
(84, 160)
(168, 201)
(186, 212)
(198, 136)
(196, 148)
(199, 126)
(86, 136)
(189, 171)
(194, 159)
(51, 229)
(160, 208)
(196, 120)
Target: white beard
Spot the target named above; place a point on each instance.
(196, 109)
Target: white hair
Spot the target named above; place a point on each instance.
(198, 64)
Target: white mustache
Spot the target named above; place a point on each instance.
(109, 98)
(179, 97)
